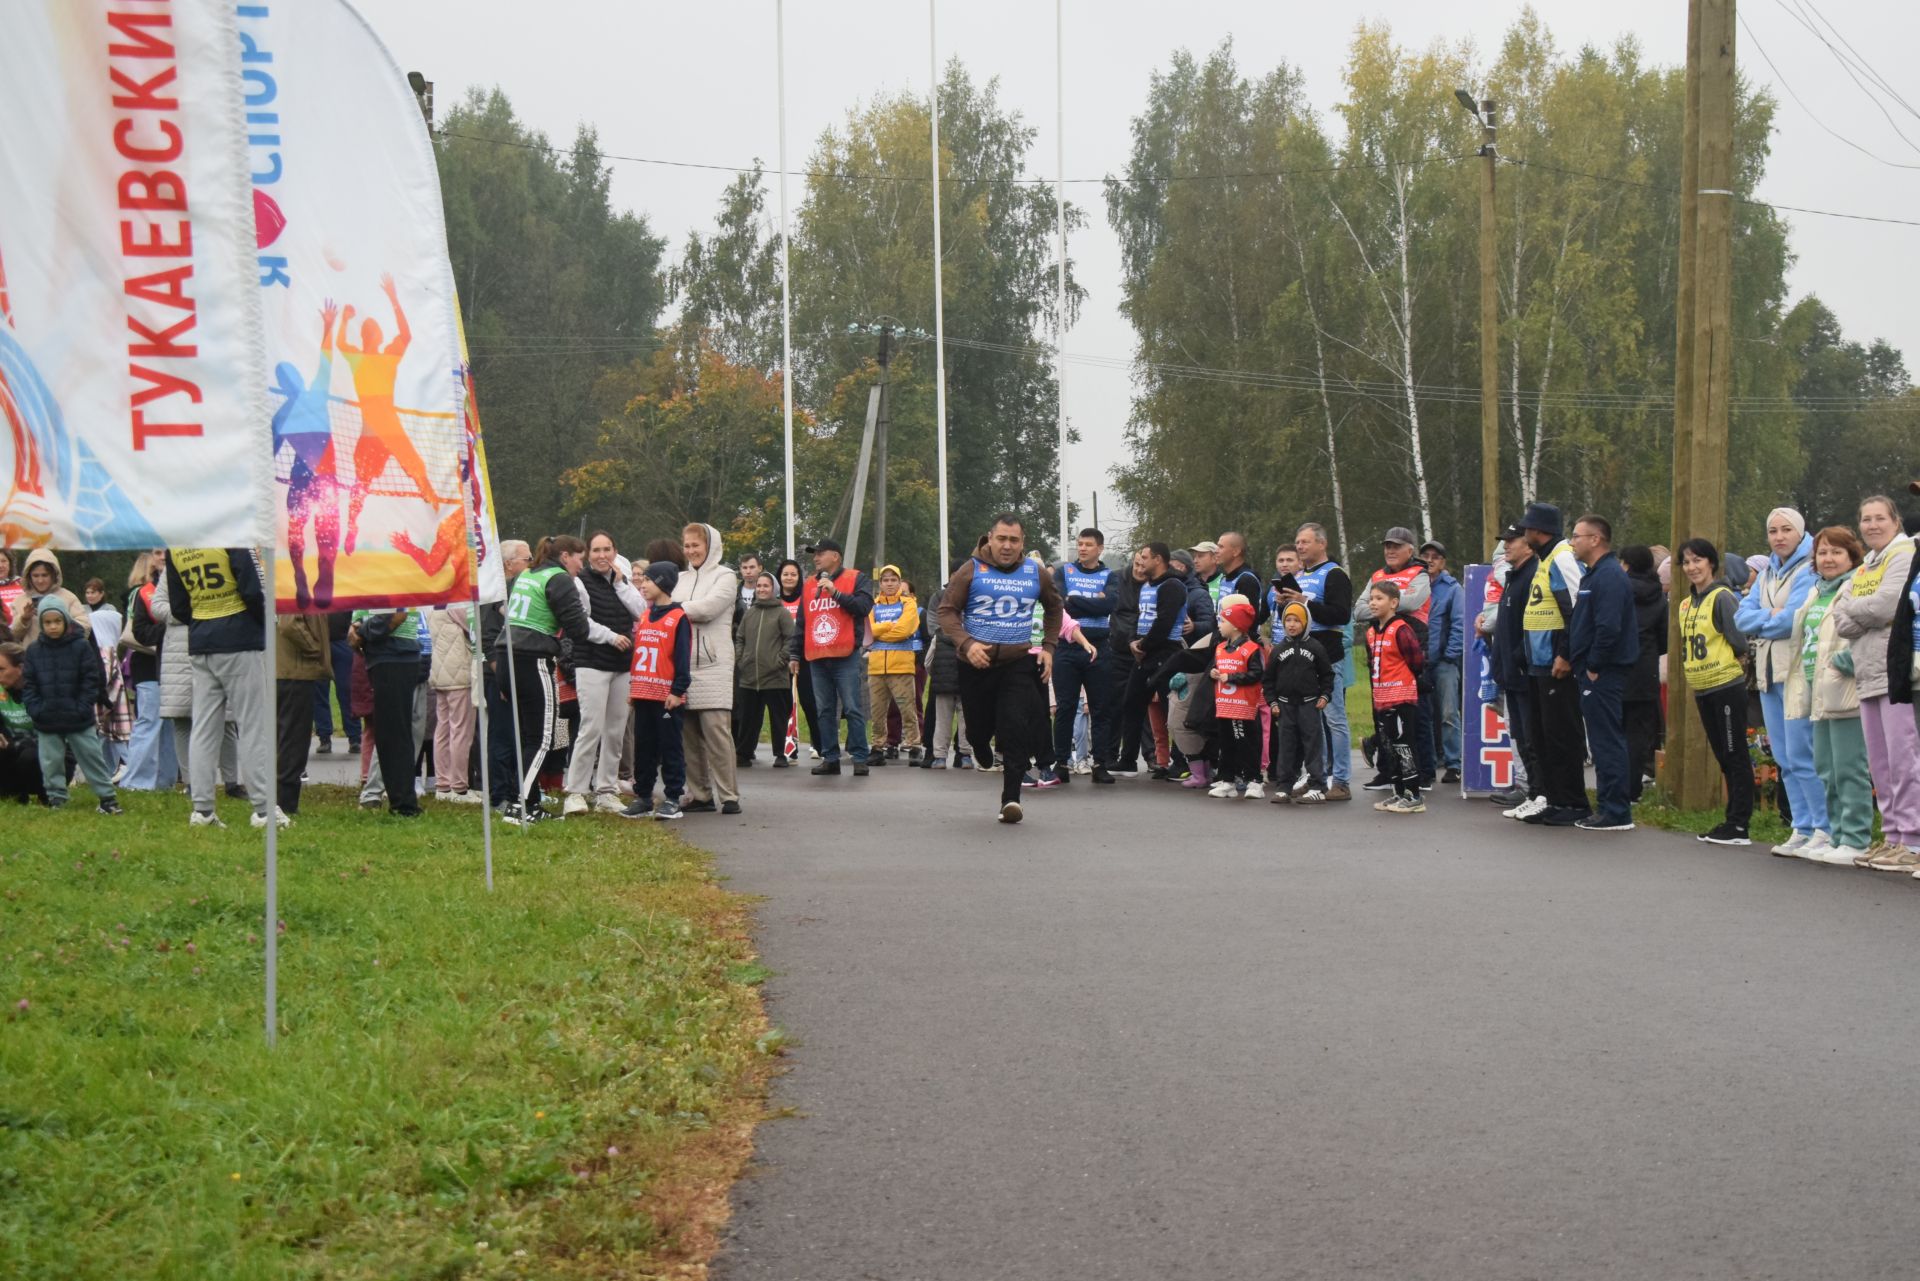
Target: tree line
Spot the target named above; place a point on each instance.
(1303, 290)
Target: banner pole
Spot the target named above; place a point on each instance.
(270, 670)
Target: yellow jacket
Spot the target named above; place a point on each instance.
(896, 620)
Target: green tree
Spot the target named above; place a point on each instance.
(863, 249)
(556, 288)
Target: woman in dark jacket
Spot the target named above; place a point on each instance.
(943, 715)
(1640, 702)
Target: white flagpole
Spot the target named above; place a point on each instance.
(270, 670)
(786, 301)
(939, 304)
(1060, 301)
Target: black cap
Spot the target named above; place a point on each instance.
(1512, 532)
(824, 545)
(1434, 545)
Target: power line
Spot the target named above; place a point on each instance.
(1848, 65)
(1745, 200)
(551, 345)
(916, 178)
(1811, 115)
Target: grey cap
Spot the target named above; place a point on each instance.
(1398, 534)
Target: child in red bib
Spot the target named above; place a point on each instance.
(1394, 660)
(660, 671)
(1236, 673)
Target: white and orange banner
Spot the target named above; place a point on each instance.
(132, 386)
(367, 374)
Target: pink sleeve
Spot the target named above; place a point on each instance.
(1069, 627)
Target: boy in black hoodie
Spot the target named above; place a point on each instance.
(1298, 684)
(63, 682)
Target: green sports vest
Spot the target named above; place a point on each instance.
(527, 607)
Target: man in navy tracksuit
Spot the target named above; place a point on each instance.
(1603, 644)
(1089, 592)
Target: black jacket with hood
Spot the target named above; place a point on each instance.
(64, 679)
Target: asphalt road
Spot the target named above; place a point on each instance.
(1147, 1034)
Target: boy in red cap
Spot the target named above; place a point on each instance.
(1237, 669)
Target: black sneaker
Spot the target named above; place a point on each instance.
(781, 762)
(1541, 818)
(1451, 776)
(1102, 775)
(730, 807)
(1567, 817)
(1160, 774)
(826, 769)
(1726, 834)
(893, 753)
(325, 747)
(236, 792)
(111, 806)
(699, 807)
(877, 759)
(860, 770)
(1598, 823)
(638, 809)
(1378, 783)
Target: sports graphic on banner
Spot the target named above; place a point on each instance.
(1486, 761)
(131, 383)
(368, 377)
(483, 535)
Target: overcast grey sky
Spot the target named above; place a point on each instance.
(696, 82)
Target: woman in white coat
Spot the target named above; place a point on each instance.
(708, 591)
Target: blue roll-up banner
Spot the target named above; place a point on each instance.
(1486, 763)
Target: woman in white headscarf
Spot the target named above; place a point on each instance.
(708, 591)
(1769, 614)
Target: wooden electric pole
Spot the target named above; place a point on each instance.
(1490, 521)
(1489, 347)
(1703, 360)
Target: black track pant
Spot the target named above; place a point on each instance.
(294, 717)
(1393, 747)
(393, 686)
(754, 706)
(1006, 704)
(1724, 713)
(1559, 741)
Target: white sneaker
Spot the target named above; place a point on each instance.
(608, 804)
(1817, 844)
(280, 819)
(206, 819)
(1221, 789)
(444, 798)
(1527, 808)
(1837, 855)
(576, 804)
(1254, 792)
(1083, 766)
(1791, 847)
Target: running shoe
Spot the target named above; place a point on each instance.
(1726, 834)
(1791, 847)
(204, 818)
(280, 819)
(667, 811)
(110, 807)
(575, 804)
(605, 803)
(1010, 812)
(1406, 805)
(1598, 823)
(638, 809)
(1254, 792)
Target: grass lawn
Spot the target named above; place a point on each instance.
(556, 1079)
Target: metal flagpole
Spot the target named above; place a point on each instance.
(939, 305)
(786, 301)
(270, 671)
(1060, 300)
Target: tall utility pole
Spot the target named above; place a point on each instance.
(880, 446)
(1483, 110)
(1703, 357)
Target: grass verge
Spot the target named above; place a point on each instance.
(1655, 810)
(556, 1079)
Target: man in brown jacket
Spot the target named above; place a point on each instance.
(987, 612)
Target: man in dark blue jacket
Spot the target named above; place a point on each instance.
(1089, 592)
(1603, 644)
(1446, 639)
